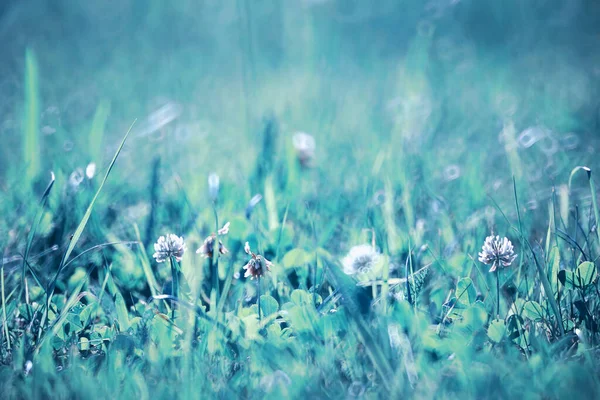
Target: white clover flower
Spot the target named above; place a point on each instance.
(497, 252)
(305, 146)
(257, 266)
(360, 259)
(207, 247)
(169, 246)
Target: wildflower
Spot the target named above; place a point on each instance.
(207, 247)
(90, 170)
(255, 268)
(361, 259)
(497, 252)
(305, 145)
(169, 246)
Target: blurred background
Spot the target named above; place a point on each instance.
(458, 96)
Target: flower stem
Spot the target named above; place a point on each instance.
(259, 312)
(498, 293)
(214, 260)
(174, 285)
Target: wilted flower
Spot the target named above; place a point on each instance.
(256, 267)
(305, 145)
(497, 252)
(169, 246)
(361, 259)
(207, 247)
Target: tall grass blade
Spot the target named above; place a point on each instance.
(5, 321)
(36, 223)
(349, 296)
(31, 118)
(152, 283)
(80, 228)
(97, 131)
(88, 212)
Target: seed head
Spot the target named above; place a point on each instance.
(169, 246)
(360, 259)
(257, 266)
(209, 243)
(497, 252)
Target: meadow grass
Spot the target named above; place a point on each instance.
(362, 276)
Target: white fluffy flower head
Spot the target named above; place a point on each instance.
(305, 146)
(497, 252)
(169, 246)
(360, 259)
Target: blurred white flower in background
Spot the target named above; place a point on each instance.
(304, 145)
(169, 246)
(90, 170)
(360, 259)
(76, 178)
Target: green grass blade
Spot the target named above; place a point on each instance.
(36, 223)
(594, 202)
(152, 284)
(348, 290)
(31, 118)
(97, 131)
(88, 212)
(80, 229)
(5, 322)
(57, 325)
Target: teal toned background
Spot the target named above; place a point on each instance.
(429, 117)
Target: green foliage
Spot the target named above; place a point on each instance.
(465, 292)
(496, 331)
(583, 276)
(403, 158)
